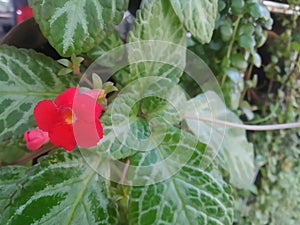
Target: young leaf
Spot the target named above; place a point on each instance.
(236, 153)
(198, 17)
(26, 78)
(61, 189)
(97, 82)
(76, 26)
(157, 42)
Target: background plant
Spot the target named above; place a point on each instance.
(261, 82)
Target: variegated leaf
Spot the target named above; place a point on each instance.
(189, 196)
(26, 77)
(198, 17)
(157, 42)
(76, 26)
(235, 152)
(62, 189)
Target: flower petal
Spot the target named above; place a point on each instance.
(86, 108)
(46, 115)
(62, 135)
(87, 134)
(66, 97)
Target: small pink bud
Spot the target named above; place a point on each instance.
(35, 138)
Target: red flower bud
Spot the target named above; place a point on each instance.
(35, 138)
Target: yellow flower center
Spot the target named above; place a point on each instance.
(68, 115)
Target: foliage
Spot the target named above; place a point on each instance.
(260, 82)
(276, 192)
(160, 160)
(163, 178)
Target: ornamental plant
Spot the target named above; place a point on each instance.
(142, 148)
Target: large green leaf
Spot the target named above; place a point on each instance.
(62, 189)
(26, 77)
(109, 51)
(198, 17)
(189, 196)
(75, 26)
(157, 42)
(9, 183)
(236, 153)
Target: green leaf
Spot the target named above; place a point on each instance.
(157, 43)
(76, 26)
(61, 189)
(26, 78)
(198, 17)
(189, 196)
(258, 10)
(233, 74)
(257, 60)
(238, 61)
(65, 62)
(97, 82)
(247, 42)
(246, 28)
(148, 100)
(236, 152)
(237, 6)
(226, 31)
(9, 183)
(12, 150)
(64, 71)
(109, 51)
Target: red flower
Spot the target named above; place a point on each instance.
(72, 118)
(35, 138)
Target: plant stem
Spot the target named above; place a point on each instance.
(125, 171)
(243, 126)
(82, 77)
(229, 50)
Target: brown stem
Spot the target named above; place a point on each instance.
(82, 77)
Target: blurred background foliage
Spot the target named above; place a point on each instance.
(255, 56)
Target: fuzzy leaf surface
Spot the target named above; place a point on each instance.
(76, 26)
(198, 17)
(61, 189)
(26, 77)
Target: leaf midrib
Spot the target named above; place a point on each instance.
(81, 193)
(172, 182)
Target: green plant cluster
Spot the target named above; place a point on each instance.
(276, 198)
(232, 53)
(262, 84)
(257, 63)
